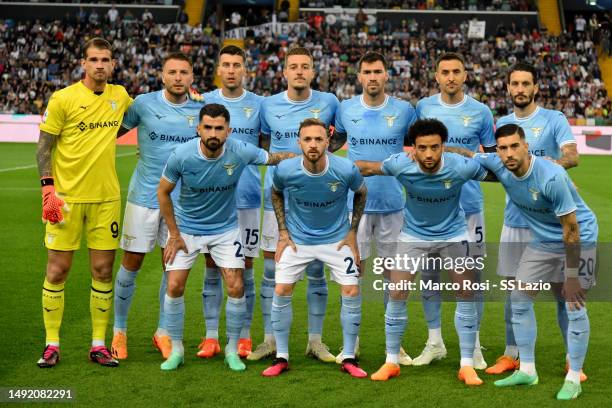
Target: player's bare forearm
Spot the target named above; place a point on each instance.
(369, 168)
(569, 156)
(166, 207)
(278, 203)
(337, 141)
(44, 153)
(359, 203)
(571, 239)
(459, 150)
(264, 141)
(122, 131)
(275, 158)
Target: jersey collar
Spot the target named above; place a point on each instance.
(175, 105)
(529, 171)
(286, 96)
(379, 107)
(533, 114)
(225, 98)
(465, 97)
(432, 174)
(316, 174)
(208, 158)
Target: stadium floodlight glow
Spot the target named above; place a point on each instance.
(592, 2)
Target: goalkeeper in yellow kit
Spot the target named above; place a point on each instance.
(76, 162)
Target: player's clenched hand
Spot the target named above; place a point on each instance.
(52, 205)
(351, 241)
(573, 293)
(174, 244)
(284, 241)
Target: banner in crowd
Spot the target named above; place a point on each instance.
(268, 28)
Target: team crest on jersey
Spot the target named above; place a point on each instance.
(268, 239)
(447, 183)
(537, 131)
(390, 119)
(230, 168)
(534, 194)
(248, 112)
(113, 104)
(50, 238)
(333, 186)
(315, 112)
(466, 120)
(190, 119)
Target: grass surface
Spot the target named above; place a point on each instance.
(139, 381)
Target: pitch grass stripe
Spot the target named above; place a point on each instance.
(33, 166)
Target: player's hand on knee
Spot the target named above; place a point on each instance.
(573, 293)
(284, 241)
(174, 244)
(52, 205)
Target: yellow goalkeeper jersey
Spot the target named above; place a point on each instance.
(86, 127)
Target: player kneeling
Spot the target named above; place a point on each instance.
(317, 228)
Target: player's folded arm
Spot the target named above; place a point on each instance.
(370, 168)
(264, 141)
(337, 140)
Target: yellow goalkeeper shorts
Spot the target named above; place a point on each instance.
(100, 221)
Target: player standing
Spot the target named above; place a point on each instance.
(470, 125)
(203, 219)
(434, 222)
(76, 163)
(548, 134)
(391, 118)
(562, 251)
(281, 115)
(317, 227)
(165, 119)
(244, 108)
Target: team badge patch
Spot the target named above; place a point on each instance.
(315, 112)
(534, 194)
(536, 131)
(190, 119)
(333, 186)
(229, 168)
(113, 104)
(248, 112)
(466, 120)
(390, 120)
(447, 183)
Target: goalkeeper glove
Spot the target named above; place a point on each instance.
(194, 95)
(52, 205)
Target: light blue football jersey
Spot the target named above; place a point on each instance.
(316, 211)
(162, 126)
(433, 211)
(542, 195)
(374, 134)
(244, 121)
(281, 118)
(546, 131)
(206, 204)
(470, 125)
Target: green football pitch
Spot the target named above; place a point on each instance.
(139, 381)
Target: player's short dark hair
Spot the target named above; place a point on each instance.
(177, 55)
(450, 56)
(525, 67)
(233, 50)
(509, 130)
(427, 127)
(214, 110)
(313, 122)
(99, 43)
(299, 51)
(371, 57)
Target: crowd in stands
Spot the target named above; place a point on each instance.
(37, 58)
(472, 5)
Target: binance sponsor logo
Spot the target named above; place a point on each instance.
(82, 126)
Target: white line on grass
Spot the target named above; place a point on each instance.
(33, 166)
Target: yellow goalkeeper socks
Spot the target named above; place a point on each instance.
(100, 305)
(53, 310)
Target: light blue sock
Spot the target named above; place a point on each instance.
(125, 286)
(212, 296)
(163, 287)
(562, 320)
(235, 312)
(479, 299)
(432, 302)
(350, 316)
(249, 294)
(508, 320)
(316, 297)
(282, 315)
(267, 293)
(577, 336)
(466, 324)
(524, 325)
(175, 316)
(396, 319)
